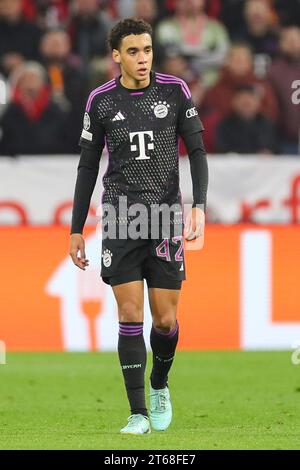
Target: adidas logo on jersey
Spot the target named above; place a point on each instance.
(118, 117)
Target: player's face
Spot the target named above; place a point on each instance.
(135, 56)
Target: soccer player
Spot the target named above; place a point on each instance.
(139, 116)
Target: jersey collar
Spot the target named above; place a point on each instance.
(136, 92)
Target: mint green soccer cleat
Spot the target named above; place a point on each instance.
(137, 424)
(160, 409)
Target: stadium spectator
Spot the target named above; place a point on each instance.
(67, 78)
(47, 13)
(212, 7)
(146, 10)
(259, 31)
(192, 34)
(245, 130)
(178, 66)
(32, 123)
(125, 8)
(19, 38)
(88, 29)
(238, 71)
(282, 73)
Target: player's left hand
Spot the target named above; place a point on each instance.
(194, 226)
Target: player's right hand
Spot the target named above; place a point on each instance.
(194, 226)
(77, 245)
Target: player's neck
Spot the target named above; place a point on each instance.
(129, 82)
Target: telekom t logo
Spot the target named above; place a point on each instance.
(142, 144)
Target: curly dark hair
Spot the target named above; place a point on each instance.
(126, 27)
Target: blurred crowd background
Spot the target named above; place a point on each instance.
(240, 59)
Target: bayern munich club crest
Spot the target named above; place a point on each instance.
(86, 121)
(107, 258)
(160, 109)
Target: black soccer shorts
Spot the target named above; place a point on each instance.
(159, 261)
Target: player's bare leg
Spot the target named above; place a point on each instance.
(163, 305)
(132, 352)
(130, 300)
(164, 338)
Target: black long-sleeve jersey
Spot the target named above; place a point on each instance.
(141, 129)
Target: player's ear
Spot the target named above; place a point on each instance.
(116, 56)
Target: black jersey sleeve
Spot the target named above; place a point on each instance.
(87, 173)
(199, 167)
(188, 119)
(93, 132)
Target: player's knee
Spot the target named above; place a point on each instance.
(165, 323)
(130, 311)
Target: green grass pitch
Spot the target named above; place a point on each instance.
(221, 400)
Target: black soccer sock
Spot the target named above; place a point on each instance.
(163, 346)
(133, 356)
